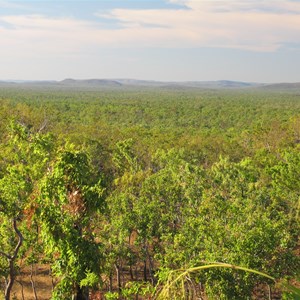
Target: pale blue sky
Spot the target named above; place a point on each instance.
(169, 40)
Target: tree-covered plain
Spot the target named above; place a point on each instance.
(114, 189)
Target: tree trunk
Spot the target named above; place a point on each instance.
(81, 293)
(33, 283)
(145, 270)
(131, 272)
(22, 289)
(118, 277)
(151, 269)
(52, 280)
(110, 288)
(11, 260)
(130, 260)
(145, 260)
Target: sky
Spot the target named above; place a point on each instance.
(165, 40)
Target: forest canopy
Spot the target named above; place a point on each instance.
(114, 189)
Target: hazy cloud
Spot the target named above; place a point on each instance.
(260, 26)
(251, 25)
(7, 4)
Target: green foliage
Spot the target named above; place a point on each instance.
(91, 279)
(290, 292)
(235, 222)
(136, 289)
(70, 195)
(112, 296)
(151, 179)
(124, 158)
(24, 159)
(177, 284)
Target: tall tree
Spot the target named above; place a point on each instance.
(70, 194)
(25, 156)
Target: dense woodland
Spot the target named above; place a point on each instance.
(115, 189)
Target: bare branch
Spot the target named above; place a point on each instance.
(43, 126)
(5, 254)
(12, 259)
(20, 241)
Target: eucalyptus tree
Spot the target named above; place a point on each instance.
(145, 206)
(237, 221)
(24, 159)
(285, 181)
(120, 220)
(70, 195)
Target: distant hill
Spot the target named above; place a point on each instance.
(7, 83)
(134, 83)
(89, 82)
(282, 86)
(227, 84)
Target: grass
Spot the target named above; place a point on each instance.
(175, 285)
